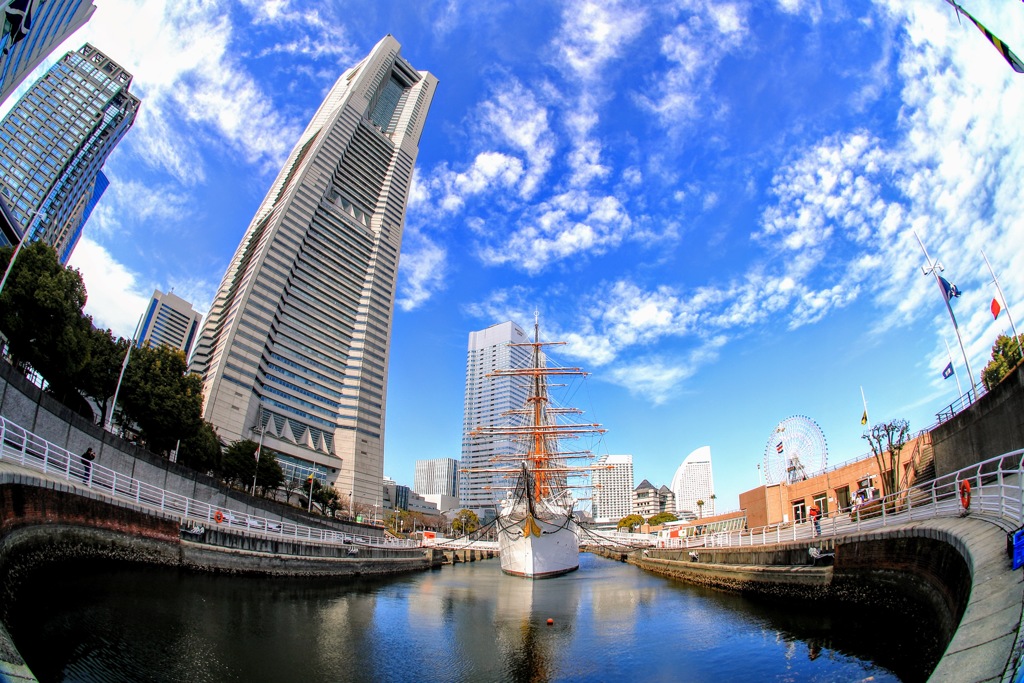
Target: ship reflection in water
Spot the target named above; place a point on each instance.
(471, 622)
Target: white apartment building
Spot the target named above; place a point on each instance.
(613, 488)
(170, 321)
(486, 401)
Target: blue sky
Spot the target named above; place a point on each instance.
(713, 202)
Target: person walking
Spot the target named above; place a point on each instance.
(816, 518)
(87, 459)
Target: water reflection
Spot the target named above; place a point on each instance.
(610, 622)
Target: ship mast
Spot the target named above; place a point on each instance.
(542, 430)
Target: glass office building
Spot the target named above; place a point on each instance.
(56, 139)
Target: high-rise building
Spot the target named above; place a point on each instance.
(295, 345)
(487, 399)
(694, 482)
(31, 32)
(170, 321)
(55, 140)
(439, 476)
(613, 488)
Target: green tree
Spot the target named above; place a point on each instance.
(1005, 357)
(203, 451)
(700, 509)
(630, 521)
(160, 396)
(888, 439)
(661, 518)
(98, 378)
(326, 497)
(238, 464)
(398, 522)
(465, 522)
(41, 315)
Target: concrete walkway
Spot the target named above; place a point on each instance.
(986, 646)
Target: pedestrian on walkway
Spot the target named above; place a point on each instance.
(87, 459)
(815, 512)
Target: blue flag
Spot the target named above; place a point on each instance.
(947, 371)
(949, 290)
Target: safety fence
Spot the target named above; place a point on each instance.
(33, 452)
(991, 489)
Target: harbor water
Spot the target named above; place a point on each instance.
(609, 622)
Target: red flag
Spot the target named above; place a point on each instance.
(995, 309)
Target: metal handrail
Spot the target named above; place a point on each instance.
(33, 452)
(997, 490)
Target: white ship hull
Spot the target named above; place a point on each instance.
(543, 551)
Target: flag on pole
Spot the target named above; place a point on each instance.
(864, 417)
(949, 290)
(1003, 48)
(947, 371)
(995, 309)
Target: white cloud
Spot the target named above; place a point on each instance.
(116, 297)
(422, 273)
(693, 48)
(595, 33)
(516, 119)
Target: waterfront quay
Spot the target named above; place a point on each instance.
(917, 553)
(955, 567)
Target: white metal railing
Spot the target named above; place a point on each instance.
(460, 543)
(996, 492)
(28, 450)
(617, 538)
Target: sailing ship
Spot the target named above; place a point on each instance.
(538, 536)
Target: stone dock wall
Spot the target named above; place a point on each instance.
(955, 572)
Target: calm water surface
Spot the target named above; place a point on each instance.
(612, 622)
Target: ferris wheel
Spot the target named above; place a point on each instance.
(795, 450)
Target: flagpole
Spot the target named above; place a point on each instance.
(867, 421)
(955, 373)
(1003, 298)
(933, 269)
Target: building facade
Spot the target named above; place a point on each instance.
(694, 482)
(170, 321)
(645, 500)
(439, 476)
(32, 31)
(55, 140)
(613, 488)
(486, 402)
(295, 346)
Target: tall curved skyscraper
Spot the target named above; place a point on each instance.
(295, 346)
(694, 481)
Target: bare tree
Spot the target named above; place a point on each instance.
(888, 439)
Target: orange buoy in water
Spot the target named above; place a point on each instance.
(550, 621)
